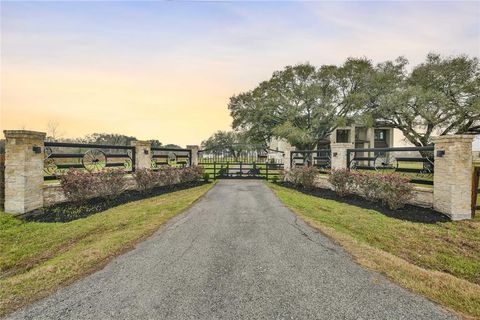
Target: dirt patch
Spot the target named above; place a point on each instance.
(65, 212)
(408, 213)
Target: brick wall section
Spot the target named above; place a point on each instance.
(2, 180)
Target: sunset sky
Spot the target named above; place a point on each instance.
(165, 70)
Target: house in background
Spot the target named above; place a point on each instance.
(369, 137)
(361, 136)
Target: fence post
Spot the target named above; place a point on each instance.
(193, 154)
(214, 170)
(452, 179)
(23, 170)
(143, 154)
(339, 155)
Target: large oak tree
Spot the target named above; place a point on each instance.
(438, 97)
(303, 104)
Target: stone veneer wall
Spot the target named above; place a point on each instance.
(53, 193)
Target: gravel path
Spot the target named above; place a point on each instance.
(236, 254)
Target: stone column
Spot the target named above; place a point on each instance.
(194, 149)
(286, 156)
(452, 180)
(371, 137)
(339, 154)
(23, 170)
(143, 154)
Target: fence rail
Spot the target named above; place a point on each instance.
(170, 156)
(60, 156)
(318, 158)
(416, 163)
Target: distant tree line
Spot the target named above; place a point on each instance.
(109, 139)
(304, 104)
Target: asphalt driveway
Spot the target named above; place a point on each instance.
(236, 254)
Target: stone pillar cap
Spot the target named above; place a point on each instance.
(12, 134)
(454, 137)
(140, 142)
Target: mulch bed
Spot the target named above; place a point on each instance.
(408, 213)
(65, 212)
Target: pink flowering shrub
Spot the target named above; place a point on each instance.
(392, 190)
(80, 185)
(343, 181)
(302, 176)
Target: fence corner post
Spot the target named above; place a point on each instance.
(339, 155)
(452, 179)
(23, 170)
(143, 154)
(193, 154)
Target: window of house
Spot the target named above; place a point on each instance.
(343, 135)
(381, 135)
(360, 134)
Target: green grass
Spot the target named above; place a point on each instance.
(447, 255)
(38, 258)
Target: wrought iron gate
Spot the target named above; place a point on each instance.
(241, 161)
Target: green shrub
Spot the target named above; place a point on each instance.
(167, 176)
(369, 185)
(206, 176)
(275, 179)
(80, 185)
(190, 174)
(391, 190)
(110, 183)
(395, 191)
(303, 176)
(77, 185)
(145, 179)
(342, 181)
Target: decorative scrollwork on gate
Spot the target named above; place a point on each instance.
(49, 165)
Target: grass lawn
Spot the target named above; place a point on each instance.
(38, 258)
(440, 261)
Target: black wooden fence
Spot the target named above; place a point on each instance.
(170, 156)
(61, 156)
(317, 158)
(416, 163)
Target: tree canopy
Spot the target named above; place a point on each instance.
(231, 142)
(304, 104)
(438, 97)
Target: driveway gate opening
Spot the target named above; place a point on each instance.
(241, 162)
